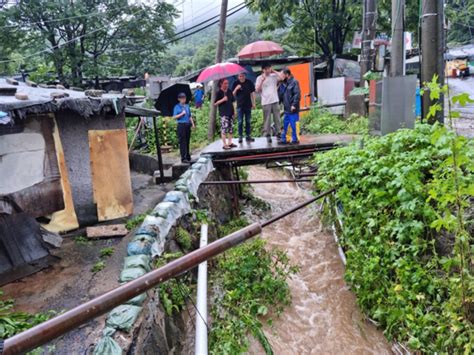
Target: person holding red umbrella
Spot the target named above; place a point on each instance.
(225, 103)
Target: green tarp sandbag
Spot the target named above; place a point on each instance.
(130, 274)
(142, 261)
(137, 300)
(123, 317)
(107, 345)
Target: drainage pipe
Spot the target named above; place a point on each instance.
(201, 302)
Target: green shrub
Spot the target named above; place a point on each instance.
(252, 279)
(321, 121)
(402, 195)
(12, 322)
(173, 293)
(183, 238)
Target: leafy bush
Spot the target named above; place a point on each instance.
(183, 238)
(12, 323)
(250, 279)
(321, 121)
(135, 221)
(173, 292)
(409, 256)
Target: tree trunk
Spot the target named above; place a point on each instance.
(368, 36)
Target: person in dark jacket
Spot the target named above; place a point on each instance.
(291, 95)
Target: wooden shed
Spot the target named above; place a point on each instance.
(64, 156)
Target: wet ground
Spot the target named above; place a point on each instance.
(465, 124)
(323, 317)
(71, 282)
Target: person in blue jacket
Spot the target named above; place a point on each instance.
(182, 113)
(291, 95)
(198, 96)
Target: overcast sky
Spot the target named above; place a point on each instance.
(196, 11)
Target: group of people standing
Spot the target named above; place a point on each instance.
(274, 88)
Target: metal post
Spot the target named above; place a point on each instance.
(397, 53)
(158, 152)
(201, 302)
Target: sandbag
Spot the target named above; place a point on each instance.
(123, 317)
(141, 260)
(131, 274)
(140, 244)
(107, 345)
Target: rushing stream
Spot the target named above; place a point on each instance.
(323, 317)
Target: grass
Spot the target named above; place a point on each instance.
(106, 252)
(98, 266)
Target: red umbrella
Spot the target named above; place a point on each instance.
(220, 71)
(260, 49)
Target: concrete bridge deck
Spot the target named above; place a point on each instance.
(260, 150)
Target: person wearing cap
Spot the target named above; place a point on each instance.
(182, 113)
(291, 95)
(267, 86)
(198, 96)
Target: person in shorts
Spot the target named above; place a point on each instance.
(225, 103)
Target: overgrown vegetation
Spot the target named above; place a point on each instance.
(407, 231)
(98, 266)
(183, 238)
(248, 281)
(320, 120)
(12, 322)
(106, 252)
(135, 221)
(173, 292)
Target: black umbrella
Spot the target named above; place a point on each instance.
(168, 98)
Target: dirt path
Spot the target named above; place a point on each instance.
(323, 317)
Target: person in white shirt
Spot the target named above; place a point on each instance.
(267, 86)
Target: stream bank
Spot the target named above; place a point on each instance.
(323, 316)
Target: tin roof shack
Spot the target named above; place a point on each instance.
(64, 154)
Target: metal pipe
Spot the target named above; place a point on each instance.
(241, 182)
(200, 347)
(57, 326)
(301, 205)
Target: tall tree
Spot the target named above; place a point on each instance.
(316, 26)
(82, 35)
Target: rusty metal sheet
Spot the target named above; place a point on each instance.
(110, 173)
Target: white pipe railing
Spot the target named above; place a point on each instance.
(201, 302)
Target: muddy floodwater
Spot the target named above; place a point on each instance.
(323, 317)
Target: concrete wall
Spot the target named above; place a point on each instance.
(73, 131)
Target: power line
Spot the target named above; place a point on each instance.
(30, 24)
(209, 19)
(203, 28)
(64, 43)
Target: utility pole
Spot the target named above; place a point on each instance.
(432, 52)
(397, 53)
(219, 54)
(368, 36)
